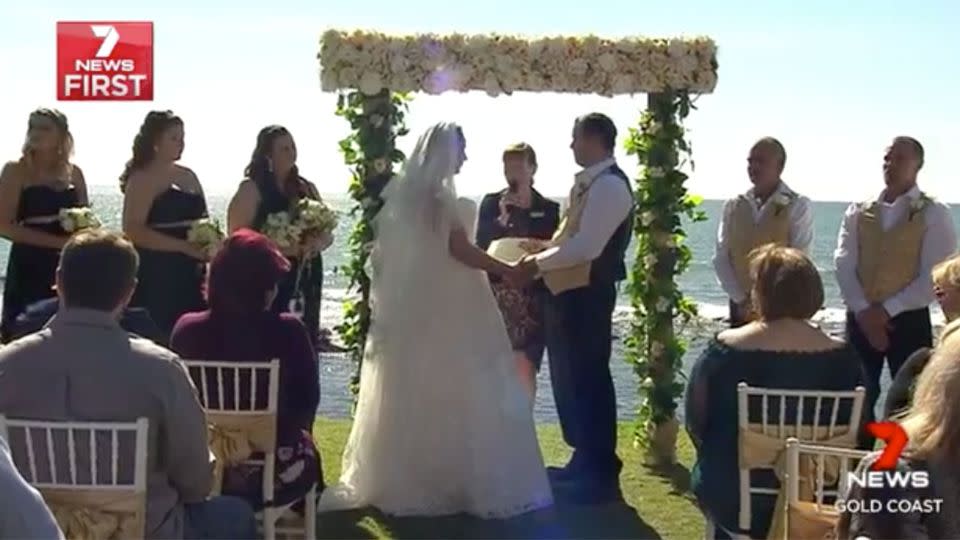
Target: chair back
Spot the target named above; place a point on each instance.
(240, 401)
(92, 475)
(814, 465)
(812, 416)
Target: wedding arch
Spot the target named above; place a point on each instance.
(375, 75)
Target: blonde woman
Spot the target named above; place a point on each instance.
(33, 190)
(932, 424)
(946, 288)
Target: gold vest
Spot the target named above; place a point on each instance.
(574, 277)
(889, 260)
(747, 235)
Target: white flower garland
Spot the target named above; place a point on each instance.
(497, 64)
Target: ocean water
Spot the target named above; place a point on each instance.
(698, 283)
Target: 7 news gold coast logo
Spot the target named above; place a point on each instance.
(105, 61)
(883, 477)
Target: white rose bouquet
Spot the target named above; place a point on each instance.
(309, 220)
(207, 234)
(316, 218)
(77, 219)
(283, 230)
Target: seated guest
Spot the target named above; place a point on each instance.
(932, 425)
(23, 513)
(780, 349)
(520, 212)
(83, 367)
(240, 327)
(134, 320)
(946, 287)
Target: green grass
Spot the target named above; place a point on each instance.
(658, 503)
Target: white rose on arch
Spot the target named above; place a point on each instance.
(370, 83)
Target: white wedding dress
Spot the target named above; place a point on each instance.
(442, 425)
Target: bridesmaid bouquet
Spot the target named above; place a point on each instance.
(207, 234)
(315, 218)
(309, 219)
(77, 219)
(283, 230)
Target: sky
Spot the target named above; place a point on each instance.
(833, 80)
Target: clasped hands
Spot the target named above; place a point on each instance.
(875, 324)
(525, 271)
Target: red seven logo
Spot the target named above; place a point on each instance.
(896, 440)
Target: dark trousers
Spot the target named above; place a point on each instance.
(911, 331)
(578, 326)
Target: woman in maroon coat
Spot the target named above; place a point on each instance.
(239, 327)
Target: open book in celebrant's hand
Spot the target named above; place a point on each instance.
(510, 250)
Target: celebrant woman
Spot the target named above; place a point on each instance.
(273, 186)
(519, 211)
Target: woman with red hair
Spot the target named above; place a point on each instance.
(239, 326)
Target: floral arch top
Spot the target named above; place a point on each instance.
(372, 62)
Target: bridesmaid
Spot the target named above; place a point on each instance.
(273, 184)
(161, 199)
(33, 190)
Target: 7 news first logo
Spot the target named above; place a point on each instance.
(883, 475)
(105, 61)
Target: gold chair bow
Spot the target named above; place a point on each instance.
(758, 450)
(233, 438)
(93, 515)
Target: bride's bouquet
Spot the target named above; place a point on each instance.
(77, 219)
(207, 234)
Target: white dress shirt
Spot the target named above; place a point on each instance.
(939, 242)
(608, 203)
(23, 514)
(800, 236)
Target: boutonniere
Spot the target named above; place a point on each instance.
(780, 202)
(582, 188)
(917, 205)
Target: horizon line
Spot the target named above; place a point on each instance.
(344, 194)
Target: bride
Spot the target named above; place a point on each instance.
(442, 424)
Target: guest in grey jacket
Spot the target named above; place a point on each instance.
(84, 367)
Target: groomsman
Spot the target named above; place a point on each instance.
(885, 252)
(770, 212)
(581, 269)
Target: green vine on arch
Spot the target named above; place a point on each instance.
(655, 347)
(370, 151)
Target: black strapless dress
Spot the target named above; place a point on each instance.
(301, 289)
(31, 270)
(171, 284)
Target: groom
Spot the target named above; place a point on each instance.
(581, 267)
